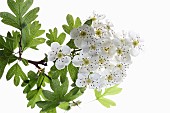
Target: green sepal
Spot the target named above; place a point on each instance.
(89, 22)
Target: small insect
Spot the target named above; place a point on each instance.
(77, 103)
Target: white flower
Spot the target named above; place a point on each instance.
(96, 17)
(121, 39)
(86, 79)
(121, 67)
(136, 42)
(111, 77)
(85, 62)
(101, 32)
(122, 54)
(104, 62)
(59, 54)
(108, 49)
(108, 25)
(91, 46)
(81, 33)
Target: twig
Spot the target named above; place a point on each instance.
(36, 63)
(20, 47)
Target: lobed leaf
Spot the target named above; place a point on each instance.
(112, 90)
(70, 20)
(30, 16)
(77, 23)
(66, 28)
(106, 102)
(10, 19)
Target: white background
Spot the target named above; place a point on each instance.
(147, 86)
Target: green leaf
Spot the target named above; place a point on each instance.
(2, 42)
(108, 91)
(55, 85)
(73, 94)
(32, 75)
(3, 64)
(52, 36)
(64, 106)
(13, 6)
(64, 87)
(77, 23)
(19, 8)
(112, 90)
(66, 28)
(31, 94)
(30, 16)
(63, 74)
(25, 62)
(47, 105)
(20, 73)
(73, 72)
(30, 85)
(9, 19)
(52, 111)
(49, 95)
(88, 22)
(11, 72)
(25, 6)
(70, 20)
(54, 72)
(30, 34)
(106, 102)
(16, 80)
(17, 71)
(61, 38)
(36, 42)
(40, 80)
(98, 94)
(71, 44)
(35, 99)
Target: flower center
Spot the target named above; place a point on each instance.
(110, 78)
(106, 49)
(119, 51)
(88, 81)
(93, 19)
(93, 47)
(101, 61)
(119, 66)
(108, 27)
(83, 33)
(86, 61)
(98, 32)
(59, 55)
(135, 43)
(122, 40)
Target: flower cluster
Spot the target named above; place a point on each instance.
(104, 54)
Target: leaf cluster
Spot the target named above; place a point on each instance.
(108, 91)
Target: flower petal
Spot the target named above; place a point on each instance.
(80, 83)
(134, 52)
(55, 46)
(51, 56)
(77, 61)
(65, 50)
(74, 33)
(66, 60)
(59, 65)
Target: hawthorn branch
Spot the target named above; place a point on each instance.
(36, 63)
(20, 47)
